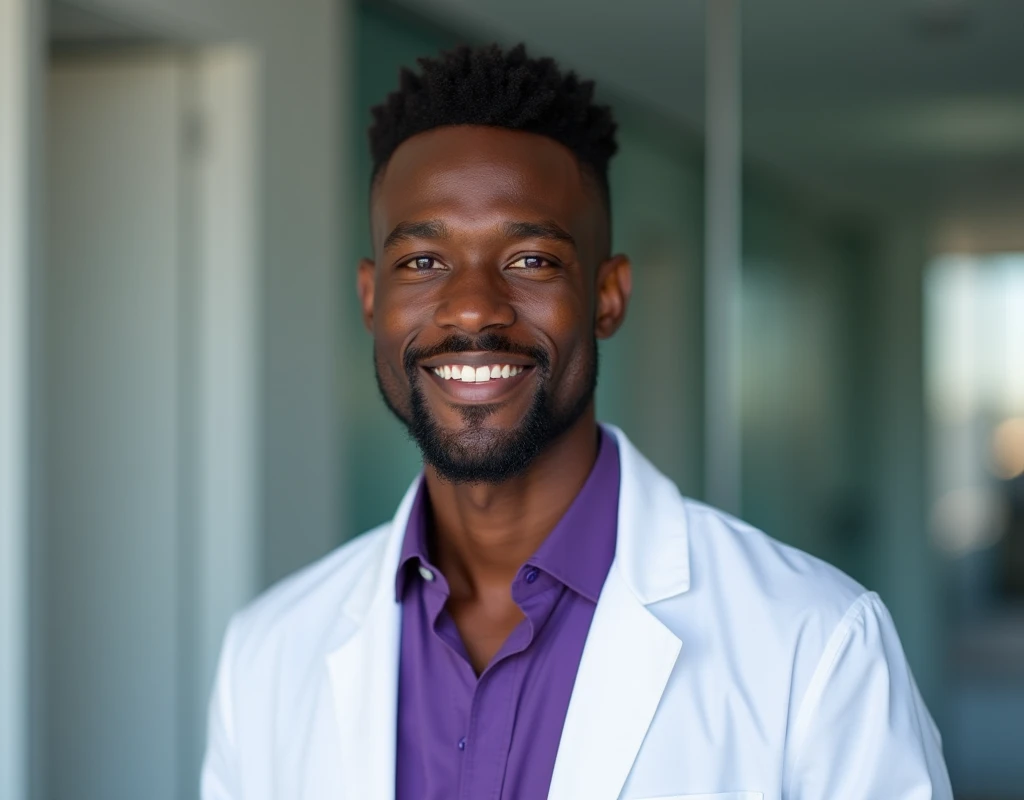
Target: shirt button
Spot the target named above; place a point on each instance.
(426, 574)
(531, 576)
(462, 743)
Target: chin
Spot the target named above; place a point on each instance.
(478, 453)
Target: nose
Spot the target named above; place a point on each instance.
(474, 299)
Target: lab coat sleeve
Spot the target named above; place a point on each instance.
(219, 774)
(863, 732)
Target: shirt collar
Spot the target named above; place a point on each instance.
(579, 550)
(414, 546)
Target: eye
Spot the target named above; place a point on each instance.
(422, 264)
(530, 263)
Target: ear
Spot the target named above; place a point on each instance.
(365, 279)
(614, 287)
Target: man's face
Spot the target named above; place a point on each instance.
(490, 288)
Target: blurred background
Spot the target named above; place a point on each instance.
(824, 204)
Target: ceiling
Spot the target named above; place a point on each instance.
(71, 25)
(884, 103)
(880, 104)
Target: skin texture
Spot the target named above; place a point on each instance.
(549, 288)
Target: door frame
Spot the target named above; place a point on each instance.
(21, 38)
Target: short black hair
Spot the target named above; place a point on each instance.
(504, 89)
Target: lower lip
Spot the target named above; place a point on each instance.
(491, 391)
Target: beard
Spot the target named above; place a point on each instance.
(477, 453)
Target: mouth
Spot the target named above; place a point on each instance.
(477, 377)
(470, 374)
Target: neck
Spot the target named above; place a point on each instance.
(483, 533)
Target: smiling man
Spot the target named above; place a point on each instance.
(545, 616)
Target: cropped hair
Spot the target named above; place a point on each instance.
(504, 89)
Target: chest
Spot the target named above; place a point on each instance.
(654, 711)
(489, 728)
(702, 744)
(483, 628)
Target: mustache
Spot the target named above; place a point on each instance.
(486, 343)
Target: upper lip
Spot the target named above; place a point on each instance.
(476, 359)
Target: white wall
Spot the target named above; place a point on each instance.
(303, 85)
(291, 308)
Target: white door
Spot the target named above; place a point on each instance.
(114, 573)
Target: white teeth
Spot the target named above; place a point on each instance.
(467, 374)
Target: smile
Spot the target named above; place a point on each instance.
(470, 374)
(471, 378)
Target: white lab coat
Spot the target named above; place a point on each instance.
(720, 665)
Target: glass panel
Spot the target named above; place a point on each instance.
(975, 393)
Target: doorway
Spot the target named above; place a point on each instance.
(149, 530)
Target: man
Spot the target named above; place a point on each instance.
(545, 616)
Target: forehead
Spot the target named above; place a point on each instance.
(469, 174)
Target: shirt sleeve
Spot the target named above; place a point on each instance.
(219, 780)
(863, 732)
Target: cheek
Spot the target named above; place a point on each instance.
(397, 318)
(394, 310)
(565, 317)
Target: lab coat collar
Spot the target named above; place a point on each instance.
(627, 648)
(363, 668)
(652, 548)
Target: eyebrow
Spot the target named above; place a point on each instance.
(538, 230)
(436, 229)
(428, 229)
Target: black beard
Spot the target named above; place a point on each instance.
(479, 454)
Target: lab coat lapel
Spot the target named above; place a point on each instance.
(626, 663)
(629, 655)
(364, 675)
(364, 678)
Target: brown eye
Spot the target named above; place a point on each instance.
(421, 263)
(530, 262)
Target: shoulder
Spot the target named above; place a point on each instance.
(747, 562)
(266, 683)
(781, 612)
(696, 558)
(302, 608)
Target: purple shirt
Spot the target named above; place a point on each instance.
(495, 737)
